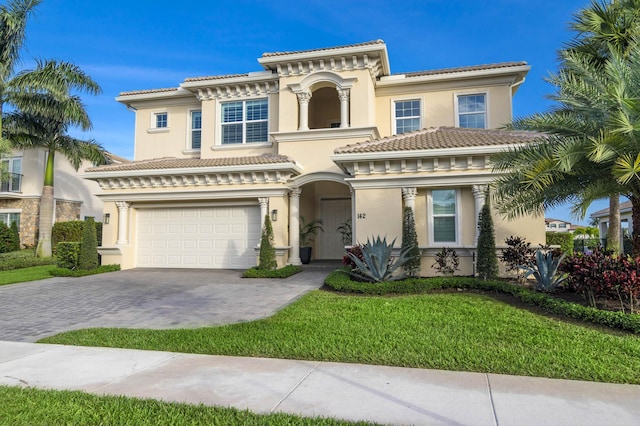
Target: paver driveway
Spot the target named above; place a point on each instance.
(144, 298)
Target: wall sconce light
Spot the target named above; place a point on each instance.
(105, 218)
(274, 215)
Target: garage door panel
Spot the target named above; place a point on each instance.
(206, 237)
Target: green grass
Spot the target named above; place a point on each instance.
(460, 331)
(30, 406)
(26, 274)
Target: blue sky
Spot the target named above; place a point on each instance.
(130, 45)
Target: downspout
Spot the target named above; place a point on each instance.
(512, 86)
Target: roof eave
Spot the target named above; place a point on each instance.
(94, 175)
(423, 153)
(519, 72)
(258, 76)
(179, 93)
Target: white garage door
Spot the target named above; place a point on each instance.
(198, 237)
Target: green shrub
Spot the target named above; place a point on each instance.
(72, 231)
(562, 239)
(267, 259)
(88, 258)
(23, 259)
(7, 243)
(487, 259)
(64, 272)
(517, 254)
(447, 262)
(340, 281)
(67, 255)
(410, 243)
(63, 232)
(16, 236)
(284, 272)
(377, 263)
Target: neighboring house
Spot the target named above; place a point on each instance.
(626, 222)
(558, 225)
(20, 192)
(324, 134)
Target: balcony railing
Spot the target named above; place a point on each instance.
(11, 183)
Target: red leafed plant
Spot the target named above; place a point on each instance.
(603, 275)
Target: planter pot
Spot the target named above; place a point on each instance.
(305, 255)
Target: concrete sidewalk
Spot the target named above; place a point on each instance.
(389, 395)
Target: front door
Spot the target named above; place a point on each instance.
(334, 212)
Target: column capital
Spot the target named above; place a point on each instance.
(263, 201)
(343, 94)
(303, 97)
(479, 191)
(122, 205)
(409, 193)
(295, 193)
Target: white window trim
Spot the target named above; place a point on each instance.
(430, 221)
(189, 147)
(408, 98)
(456, 95)
(218, 142)
(9, 211)
(152, 122)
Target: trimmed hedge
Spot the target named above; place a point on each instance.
(284, 272)
(340, 281)
(23, 259)
(562, 239)
(67, 255)
(64, 272)
(71, 231)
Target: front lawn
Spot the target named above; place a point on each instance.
(451, 331)
(45, 407)
(26, 274)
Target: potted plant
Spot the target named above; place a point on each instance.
(308, 232)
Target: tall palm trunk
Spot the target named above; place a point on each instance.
(45, 221)
(613, 233)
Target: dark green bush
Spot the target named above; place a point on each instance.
(7, 242)
(64, 272)
(410, 243)
(562, 239)
(487, 259)
(88, 258)
(340, 281)
(267, 250)
(67, 254)
(16, 236)
(284, 272)
(72, 231)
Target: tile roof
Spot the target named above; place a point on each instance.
(367, 43)
(215, 77)
(605, 212)
(440, 138)
(144, 92)
(466, 68)
(179, 163)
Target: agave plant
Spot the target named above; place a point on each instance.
(545, 271)
(377, 264)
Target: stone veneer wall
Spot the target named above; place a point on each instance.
(28, 218)
(67, 210)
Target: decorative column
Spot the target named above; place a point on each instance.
(343, 94)
(303, 102)
(264, 210)
(294, 226)
(409, 196)
(123, 222)
(479, 193)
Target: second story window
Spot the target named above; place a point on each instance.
(245, 122)
(472, 111)
(162, 120)
(407, 116)
(196, 132)
(12, 181)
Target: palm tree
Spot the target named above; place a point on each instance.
(560, 168)
(42, 120)
(13, 21)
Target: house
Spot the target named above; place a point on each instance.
(20, 192)
(626, 222)
(558, 225)
(326, 134)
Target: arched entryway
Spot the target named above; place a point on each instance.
(326, 197)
